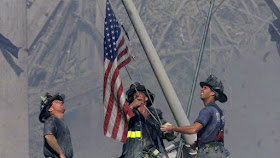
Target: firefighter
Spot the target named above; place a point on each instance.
(57, 138)
(144, 138)
(209, 126)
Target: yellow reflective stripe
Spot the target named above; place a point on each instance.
(155, 152)
(167, 123)
(128, 134)
(138, 134)
(134, 134)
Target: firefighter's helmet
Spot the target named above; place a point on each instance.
(217, 86)
(140, 88)
(46, 102)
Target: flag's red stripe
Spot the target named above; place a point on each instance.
(120, 44)
(111, 100)
(127, 110)
(124, 135)
(120, 91)
(117, 122)
(126, 61)
(106, 74)
(114, 78)
(108, 113)
(124, 107)
(119, 116)
(123, 53)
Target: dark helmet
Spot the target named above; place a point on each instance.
(217, 86)
(46, 102)
(140, 88)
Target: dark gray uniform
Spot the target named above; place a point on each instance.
(58, 128)
(149, 142)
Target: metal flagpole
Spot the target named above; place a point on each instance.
(273, 8)
(158, 69)
(205, 33)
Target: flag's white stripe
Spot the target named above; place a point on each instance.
(106, 99)
(123, 45)
(121, 129)
(124, 57)
(106, 64)
(120, 38)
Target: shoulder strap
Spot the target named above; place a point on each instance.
(220, 135)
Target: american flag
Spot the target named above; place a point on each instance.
(116, 56)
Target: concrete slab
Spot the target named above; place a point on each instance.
(13, 88)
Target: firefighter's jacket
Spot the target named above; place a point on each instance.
(144, 137)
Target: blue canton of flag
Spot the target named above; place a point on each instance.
(116, 56)
(112, 33)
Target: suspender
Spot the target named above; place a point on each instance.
(220, 135)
